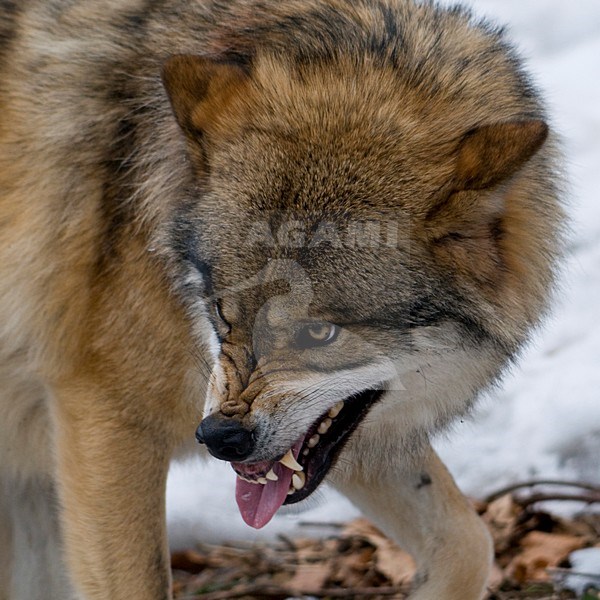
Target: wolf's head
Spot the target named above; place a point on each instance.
(374, 224)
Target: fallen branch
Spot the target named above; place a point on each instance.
(274, 591)
(322, 524)
(535, 482)
(570, 573)
(535, 498)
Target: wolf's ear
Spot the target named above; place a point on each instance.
(489, 154)
(200, 89)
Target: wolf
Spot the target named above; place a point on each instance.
(306, 234)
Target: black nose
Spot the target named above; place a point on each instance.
(225, 438)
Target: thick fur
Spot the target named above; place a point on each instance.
(143, 145)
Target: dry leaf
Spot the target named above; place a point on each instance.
(501, 517)
(189, 561)
(309, 577)
(395, 564)
(353, 569)
(360, 528)
(541, 551)
(362, 557)
(480, 506)
(391, 561)
(496, 578)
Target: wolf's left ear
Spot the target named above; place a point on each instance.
(491, 153)
(200, 89)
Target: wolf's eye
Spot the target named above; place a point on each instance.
(219, 311)
(316, 334)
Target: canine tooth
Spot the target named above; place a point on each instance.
(314, 440)
(290, 462)
(298, 480)
(324, 426)
(271, 475)
(336, 409)
(262, 480)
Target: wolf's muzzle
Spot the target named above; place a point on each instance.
(226, 439)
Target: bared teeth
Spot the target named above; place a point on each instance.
(271, 475)
(290, 462)
(324, 426)
(336, 409)
(314, 440)
(248, 480)
(298, 480)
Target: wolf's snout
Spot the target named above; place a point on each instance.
(225, 438)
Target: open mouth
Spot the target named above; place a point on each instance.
(262, 488)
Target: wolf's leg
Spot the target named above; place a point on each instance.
(6, 548)
(415, 501)
(112, 471)
(37, 571)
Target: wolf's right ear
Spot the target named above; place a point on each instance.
(489, 154)
(200, 89)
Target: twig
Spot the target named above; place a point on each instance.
(535, 498)
(274, 591)
(288, 542)
(322, 524)
(570, 573)
(535, 482)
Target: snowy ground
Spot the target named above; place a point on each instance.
(546, 419)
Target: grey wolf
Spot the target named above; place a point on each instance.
(187, 197)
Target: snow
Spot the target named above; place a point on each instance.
(585, 565)
(545, 420)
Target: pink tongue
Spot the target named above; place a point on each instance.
(258, 503)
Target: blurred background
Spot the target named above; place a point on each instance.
(545, 421)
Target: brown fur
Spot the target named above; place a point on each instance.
(140, 144)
